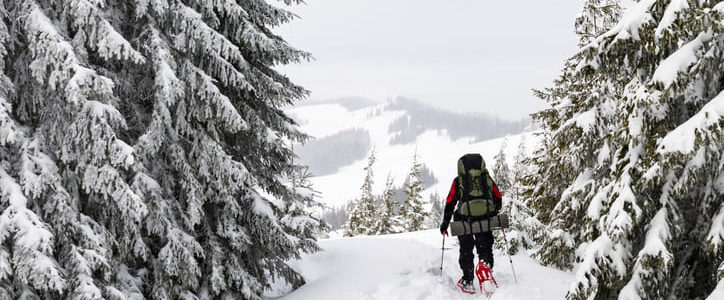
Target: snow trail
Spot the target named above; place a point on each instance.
(407, 266)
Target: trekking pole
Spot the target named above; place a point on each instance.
(442, 258)
(507, 249)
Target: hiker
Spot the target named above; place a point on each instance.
(477, 198)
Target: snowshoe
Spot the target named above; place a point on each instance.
(466, 286)
(488, 285)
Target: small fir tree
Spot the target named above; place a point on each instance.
(524, 227)
(299, 218)
(501, 170)
(412, 211)
(520, 169)
(436, 210)
(363, 213)
(387, 221)
(336, 216)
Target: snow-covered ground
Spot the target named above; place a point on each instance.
(407, 266)
(435, 149)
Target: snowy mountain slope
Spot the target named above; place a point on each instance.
(407, 266)
(437, 150)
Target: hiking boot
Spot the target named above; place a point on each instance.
(466, 286)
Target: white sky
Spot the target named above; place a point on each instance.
(464, 55)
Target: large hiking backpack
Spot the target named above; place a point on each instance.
(476, 188)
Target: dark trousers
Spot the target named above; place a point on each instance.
(483, 242)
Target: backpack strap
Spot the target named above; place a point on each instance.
(487, 183)
(465, 193)
(468, 183)
(466, 197)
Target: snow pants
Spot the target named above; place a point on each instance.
(483, 242)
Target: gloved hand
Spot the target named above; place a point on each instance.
(443, 228)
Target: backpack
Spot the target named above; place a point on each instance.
(476, 188)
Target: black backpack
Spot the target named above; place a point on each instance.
(476, 187)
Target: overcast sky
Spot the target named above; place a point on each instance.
(464, 55)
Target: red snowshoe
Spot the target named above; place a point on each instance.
(488, 285)
(466, 286)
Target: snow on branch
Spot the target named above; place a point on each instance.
(49, 49)
(657, 236)
(102, 37)
(249, 30)
(99, 111)
(572, 196)
(602, 256)
(674, 8)
(159, 7)
(597, 202)
(31, 259)
(218, 105)
(715, 238)
(179, 257)
(168, 86)
(228, 8)
(38, 172)
(214, 164)
(631, 22)
(585, 120)
(199, 36)
(679, 61)
(683, 138)
(654, 257)
(111, 185)
(269, 14)
(8, 128)
(55, 62)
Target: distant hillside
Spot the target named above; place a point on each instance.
(325, 155)
(420, 117)
(350, 103)
(345, 130)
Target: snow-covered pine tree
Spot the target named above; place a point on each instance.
(436, 210)
(336, 216)
(144, 150)
(501, 170)
(300, 217)
(520, 169)
(386, 220)
(524, 227)
(581, 113)
(413, 212)
(363, 211)
(635, 137)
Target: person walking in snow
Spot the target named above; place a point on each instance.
(473, 196)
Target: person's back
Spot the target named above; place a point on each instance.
(473, 196)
